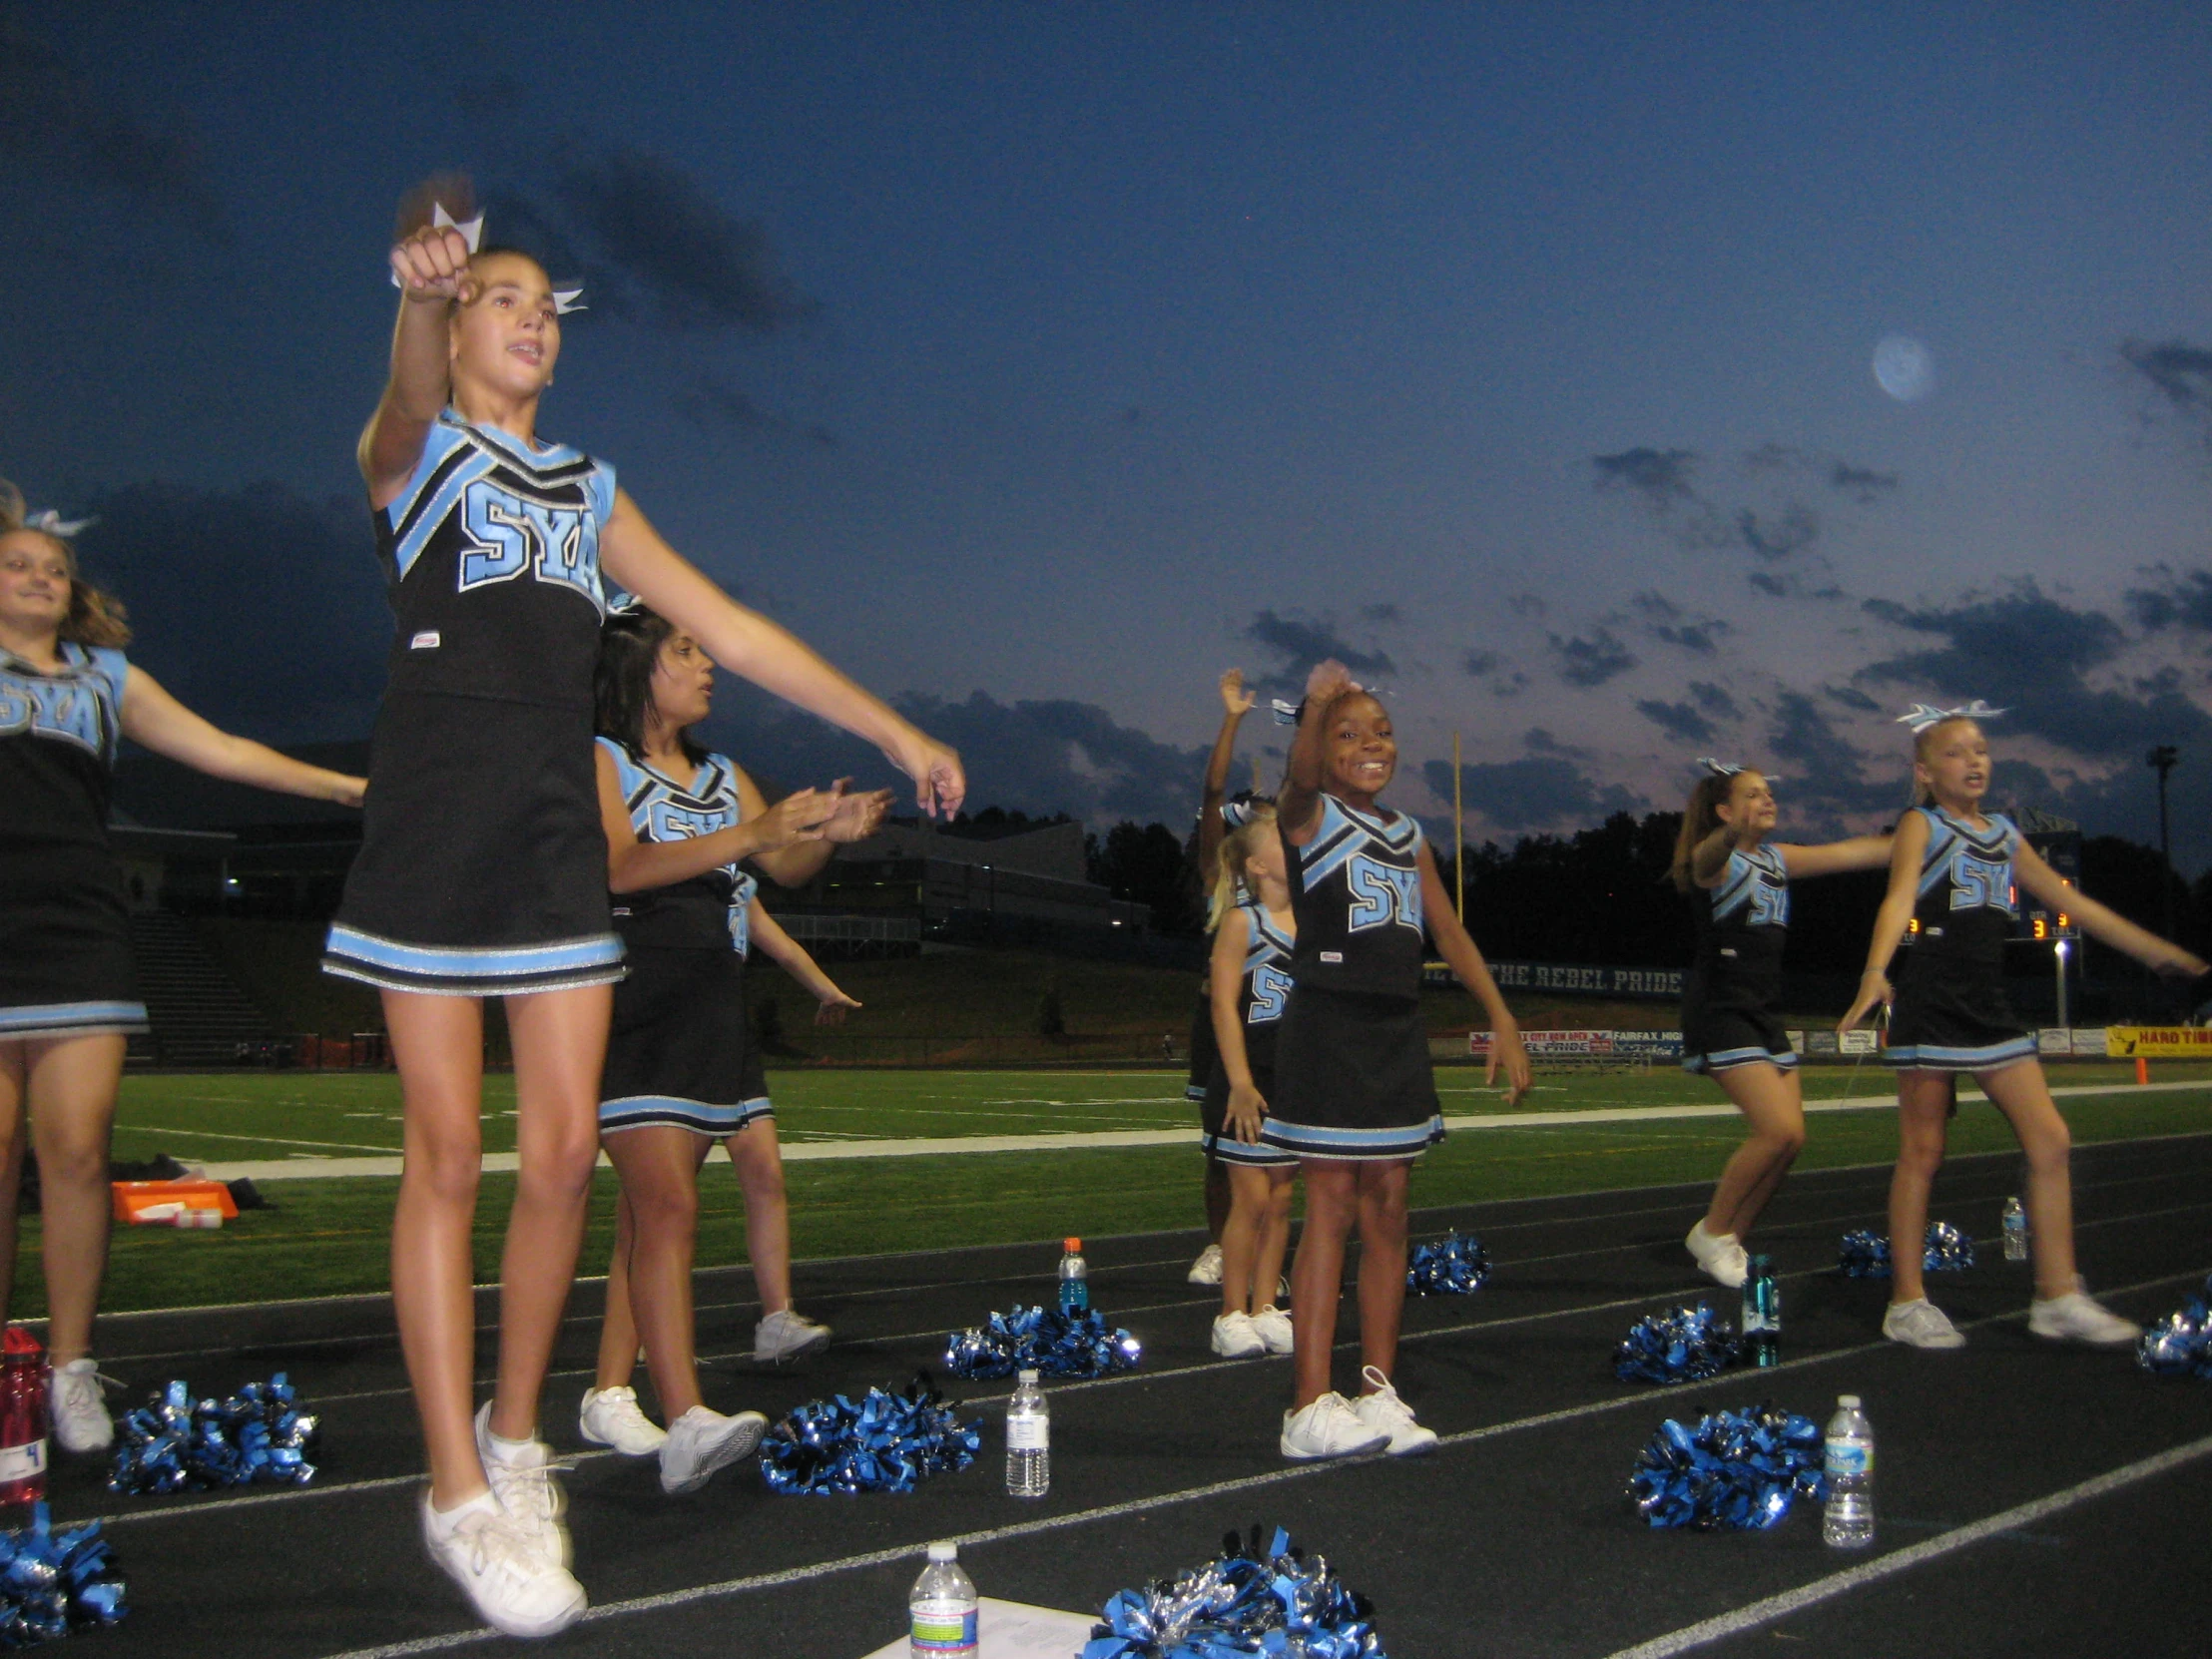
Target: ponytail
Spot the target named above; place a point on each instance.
(1229, 882)
(1699, 819)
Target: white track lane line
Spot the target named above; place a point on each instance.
(1191, 1494)
(2021, 1515)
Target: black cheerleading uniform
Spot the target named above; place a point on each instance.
(1262, 997)
(679, 1052)
(483, 866)
(1951, 1013)
(1352, 1072)
(1205, 1053)
(1728, 1004)
(65, 943)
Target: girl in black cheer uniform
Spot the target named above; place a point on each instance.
(1953, 868)
(68, 995)
(1738, 883)
(483, 866)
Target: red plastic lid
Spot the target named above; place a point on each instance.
(19, 1340)
(1072, 1246)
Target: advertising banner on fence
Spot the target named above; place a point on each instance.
(2154, 1042)
(1585, 978)
(1628, 1047)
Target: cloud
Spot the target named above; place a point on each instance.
(1478, 662)
(1527, 604)
(710, 401)
(1862, 484)
(1304, 641)
(1826, 769)
(1772, 586)
(1851, 697)
(2183, 599)
(60, 123)
(1678, 719)
(1380, 612)
(1714, 699)
(2178, 372)
(1548, 788)
(1593, 661)
(697, 264)
(1664, 620)
(1661, 477)
(1793, 531)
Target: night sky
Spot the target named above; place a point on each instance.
(1037, 363)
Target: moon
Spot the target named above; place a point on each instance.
(1903, 369)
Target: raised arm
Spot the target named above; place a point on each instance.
(851, 817)
(1236, 703)
(1833, 857)
(2101, 921)
(793, 957)
(1709, 858)
(1299, 808)
(635, 866)
(747, 643)
(1905, 850)
(1225, 983)
(430, 265)
(1457, 946)
(156, 720)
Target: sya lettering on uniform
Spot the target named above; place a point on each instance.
(560, 544)
(1770, 904)
(65, 709)
(1383, 895)
(1271, 994)
(1976, 882)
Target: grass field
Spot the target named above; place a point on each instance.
(328, 1235)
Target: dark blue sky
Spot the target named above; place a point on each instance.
(1040, 363)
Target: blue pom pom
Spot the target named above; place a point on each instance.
(1040, 1340)
(1454, 1265)
(49, 1584)
(2180, 1345)
(174, 1444)
(1256, 1597)
(1865, 1255)
(885, 1442)
(1682, 1344)
(1735, 1471)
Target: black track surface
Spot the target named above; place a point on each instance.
(1514, 1538)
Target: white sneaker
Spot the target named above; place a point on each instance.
(2079, 1317)
(511, 1584)
(1386, 1415)
(1206, 1269)
(1329, 1427)
(701, 1441)
(786, 1335)
(1721, 1255)
(1235, 1339)
(1920, 1325)
(521, 1473)
(81, 1420)
(1274, 1326)
(610, 1416)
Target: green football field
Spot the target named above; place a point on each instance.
(328, 1236)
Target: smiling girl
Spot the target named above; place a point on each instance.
(1953, 868)
(483, 866)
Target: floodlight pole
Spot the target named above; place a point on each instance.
(2058, 953)
(1459, 837)
(2163, 760)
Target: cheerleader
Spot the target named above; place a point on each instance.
(1953, 869)
(1356, 1101)
(681, 1069)
(1216, 813)
(1738, 883)
(68, 994)
(1254, 929)
(483, 864)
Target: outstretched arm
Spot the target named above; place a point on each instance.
(430, 265)
(1225, 983)
(158, 721)
(771, 657)
(1299, 807)
(1236, 703)
(767, 932)
(1905, 850)
(2101, 921)
(1835, 858)
(1468, 966)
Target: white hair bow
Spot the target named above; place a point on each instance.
(1728, 769)
(1921, 716)
(53, 524)
(1286, 713)
(472, 233)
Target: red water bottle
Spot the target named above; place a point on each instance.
(22, 1426)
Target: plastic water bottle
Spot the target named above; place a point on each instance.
(22, 1427)
(1762, 1313)
(941, 1608)
(1075, 1279)
(1849, 1464)
(2015, 1231)
(1028, 1439)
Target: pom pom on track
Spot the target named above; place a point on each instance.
(1251, 1599)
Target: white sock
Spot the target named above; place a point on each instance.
(444, 1523)
(506, 1451)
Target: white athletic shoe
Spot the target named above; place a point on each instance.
(701, 1441)
(2079, 1317)
(1386, 1415)
(508, 1580)
(1920, 1325)
(786, 1335)
(1329, 1427)
(1235, 1339)
(1721, 1255)
(81, 1420)
(521, 1479)
(612, 1417)
(1274, 1326)
(1206, 1269)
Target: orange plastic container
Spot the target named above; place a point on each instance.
(134, 1198)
